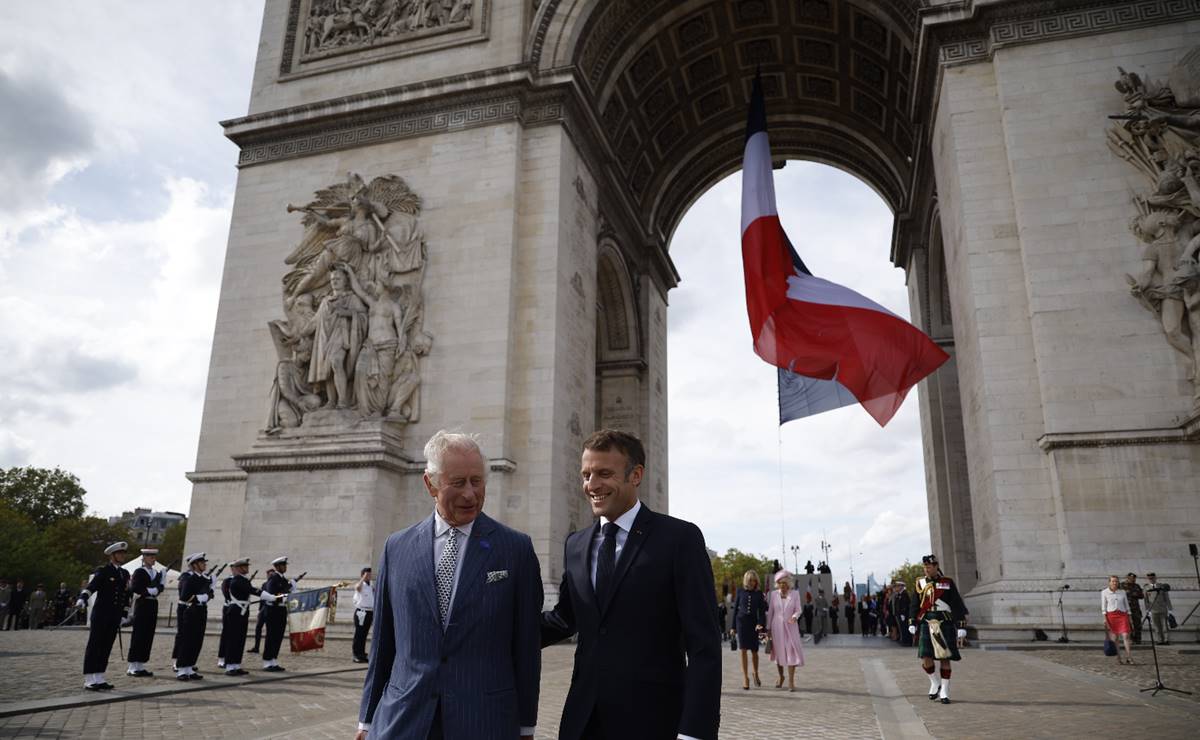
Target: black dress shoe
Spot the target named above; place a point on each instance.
(237, 672)
(106, 686)
(253, 649)
(358, 659)
(945, 700)
(142, 673)
(933, 696)
(274, 669)
(195, 677)
(183, 677)
(92, 687)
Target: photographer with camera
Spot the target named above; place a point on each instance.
(1158, 602)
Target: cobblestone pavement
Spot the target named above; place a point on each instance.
(37, 664)
(849, 688)
(1179, 670)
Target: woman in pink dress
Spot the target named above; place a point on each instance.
(783, 610)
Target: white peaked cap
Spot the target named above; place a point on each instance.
(196, 556)
(280, 561)
(116, 547)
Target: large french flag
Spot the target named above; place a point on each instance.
(832, 345)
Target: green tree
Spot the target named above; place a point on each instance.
(729, 568)
(83, 539)
(170, 550)
(909, 573)
(44, 496)
(29, 554)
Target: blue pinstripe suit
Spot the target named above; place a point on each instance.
(485, 667)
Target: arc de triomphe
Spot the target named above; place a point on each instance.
(483, 195)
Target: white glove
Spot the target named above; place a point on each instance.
(269, 597)
(962, 634)
(152, 591)
(81, 604)
(912, 629)
(202, 598)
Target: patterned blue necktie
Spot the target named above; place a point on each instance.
(606, 562)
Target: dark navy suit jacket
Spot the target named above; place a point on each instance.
(485, 667)
(648, 662)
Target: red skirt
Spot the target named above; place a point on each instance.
(1117, 623)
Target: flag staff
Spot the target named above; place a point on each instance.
(782, 526)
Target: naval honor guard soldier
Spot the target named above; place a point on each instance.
(274, 594)
(110, 584)
(146, 584)
(364, 613)
(938, 614)
(235, 617)
(195, 589)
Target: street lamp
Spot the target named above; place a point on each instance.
(825, 548)
(796, 557)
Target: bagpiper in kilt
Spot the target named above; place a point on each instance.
(146, 585)
(110, 584)
(938, 618)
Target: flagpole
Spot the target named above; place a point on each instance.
(782, 527)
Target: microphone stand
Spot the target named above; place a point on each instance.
(1062, 615)
(1158, 684)
(1196, 563)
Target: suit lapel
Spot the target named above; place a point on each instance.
(422, 555)
(579, 562)
(478, 552)
(638, 533)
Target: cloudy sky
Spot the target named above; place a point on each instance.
(115, 190)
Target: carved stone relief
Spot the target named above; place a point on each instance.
(353, 337)
(1159, 135)
(338, 26)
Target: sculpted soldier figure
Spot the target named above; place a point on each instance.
(110, 584)
(146, 584)
(939, 615)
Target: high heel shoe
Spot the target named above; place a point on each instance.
(745, 684)
(779, 683)
(757, 682)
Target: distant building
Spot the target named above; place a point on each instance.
(148, 527)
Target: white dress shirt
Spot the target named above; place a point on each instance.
(1113, 601)
(624, 524)
(364, 597)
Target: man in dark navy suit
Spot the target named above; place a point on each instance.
(455, 654)
(637, 589)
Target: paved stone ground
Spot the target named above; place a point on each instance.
(850, 688)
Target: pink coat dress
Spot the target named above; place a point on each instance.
(785, 635)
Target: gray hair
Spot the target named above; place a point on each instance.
(443, 441)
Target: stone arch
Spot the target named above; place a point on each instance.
(618, 338)
(668, 82)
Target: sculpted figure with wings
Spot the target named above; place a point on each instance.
(360, 240)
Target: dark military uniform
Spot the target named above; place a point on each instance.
(276, 615)
(110, 584)
(147, 588)
(193, 616)
(1134, 595)
(235, 618)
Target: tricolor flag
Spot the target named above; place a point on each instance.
(308, 612)
(832, 345)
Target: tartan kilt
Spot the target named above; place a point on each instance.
(949, 633)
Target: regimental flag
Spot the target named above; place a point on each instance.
(308, 612)
(832, 345)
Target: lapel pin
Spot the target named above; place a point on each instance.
(485, 544)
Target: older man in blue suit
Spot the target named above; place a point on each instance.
(456, 651)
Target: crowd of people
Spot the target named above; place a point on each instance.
(21, 608)
(778, 622)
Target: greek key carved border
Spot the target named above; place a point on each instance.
(498, 107)
(1031, 27)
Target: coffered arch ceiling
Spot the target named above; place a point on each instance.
(669, 80)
